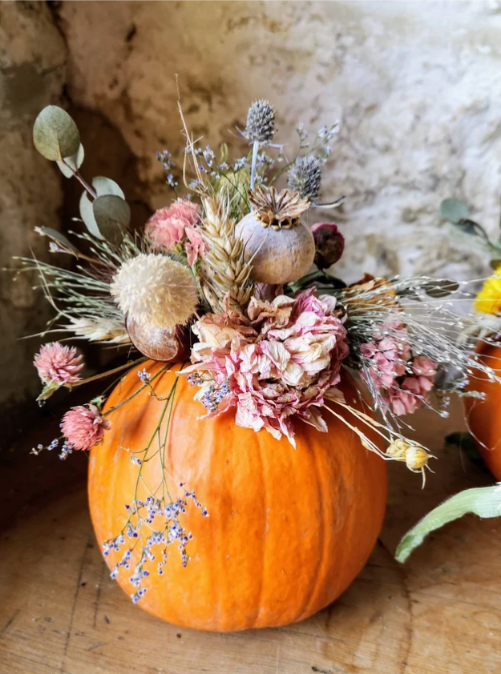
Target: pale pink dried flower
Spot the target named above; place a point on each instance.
(283, 361)
(387, 365)
(58, 364)
(83, 427)
(176, 224)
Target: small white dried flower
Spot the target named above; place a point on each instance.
(155, 291)
(260, 125)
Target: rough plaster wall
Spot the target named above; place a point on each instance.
(32, 71)
(417, 85)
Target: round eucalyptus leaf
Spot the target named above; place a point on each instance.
(74, 162)
(440, 288)
(112, 215)
(105, 186)
(87, 215)
(454, 210)
(55, 134)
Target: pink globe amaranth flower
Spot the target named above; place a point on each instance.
(329, 244)
(83, 427)
(58, 364)
(176, 224)
(283, 361)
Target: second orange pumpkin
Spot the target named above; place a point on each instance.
(484, 416)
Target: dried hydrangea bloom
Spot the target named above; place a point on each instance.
(177, 224)
(83, 427)
(58, 364)
(403, 383)
(284, 361)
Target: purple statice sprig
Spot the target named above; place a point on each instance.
(165, 158)
(65, 449)
(212, 393)
(152, 522)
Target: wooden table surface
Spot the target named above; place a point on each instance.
(440, 613)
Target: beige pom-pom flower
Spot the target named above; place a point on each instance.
(155, 291)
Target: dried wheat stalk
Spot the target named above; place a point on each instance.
(224, 271)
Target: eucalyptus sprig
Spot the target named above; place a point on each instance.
(103, 207)
(457, 213)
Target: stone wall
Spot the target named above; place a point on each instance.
(415, 84)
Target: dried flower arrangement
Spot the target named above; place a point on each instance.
(482, 410)
(232, 284)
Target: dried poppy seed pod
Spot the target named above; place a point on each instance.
(159, 343)
(277, 245)
(329, 244)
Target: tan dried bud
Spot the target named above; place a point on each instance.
(159, 343)
(398, 450)
(416, 457)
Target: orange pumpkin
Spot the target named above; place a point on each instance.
(483, 416)
(288, 529)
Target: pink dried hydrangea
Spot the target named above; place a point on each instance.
(175, 225)
(58, 364)
(414, 389)
(402, 382)
(83, 427)
(283, 361)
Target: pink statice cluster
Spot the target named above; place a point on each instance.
(177, 225)
(58, 364)
(283, 361)
(83, 427)
(402, 381)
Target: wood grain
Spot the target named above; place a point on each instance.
(439, 614)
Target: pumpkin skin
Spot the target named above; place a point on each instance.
(288, 529)
(483, 416)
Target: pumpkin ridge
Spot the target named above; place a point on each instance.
(259, 454)
(321, 535)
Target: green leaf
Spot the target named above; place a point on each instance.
(56, 236)
(55, 134)
(106, 186)
(112, 215)
(453, 210)
(482, 501)
(494, 264)
(440, 288)
(48, 390)
(471, 228)
(87, 215)
(75, 161)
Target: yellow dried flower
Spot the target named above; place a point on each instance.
(488, 300)
(155, 291)
(414, 456)
(398, 449)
